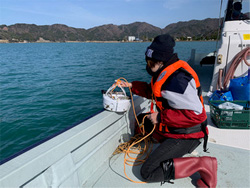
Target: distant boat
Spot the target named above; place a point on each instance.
(81, 156)
(209, 59)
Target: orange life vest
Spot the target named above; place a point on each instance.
(164, 75)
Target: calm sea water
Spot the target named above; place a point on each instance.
(46, 87)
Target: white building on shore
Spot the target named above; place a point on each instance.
(131, 38)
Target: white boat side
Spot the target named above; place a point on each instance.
(72, 157)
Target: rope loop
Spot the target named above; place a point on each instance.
(134, 146)
(241, 56)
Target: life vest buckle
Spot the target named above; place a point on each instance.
(163, 128)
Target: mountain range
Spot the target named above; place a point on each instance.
(196, 29)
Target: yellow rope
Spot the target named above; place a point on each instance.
(130, 146)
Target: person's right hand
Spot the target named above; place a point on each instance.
(125, 84)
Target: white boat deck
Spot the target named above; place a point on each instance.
(230, 147)
(233, 170)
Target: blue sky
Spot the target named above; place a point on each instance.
(90, 13)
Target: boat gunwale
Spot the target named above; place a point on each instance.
(48, 138)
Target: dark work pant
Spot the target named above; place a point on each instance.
(170, 148)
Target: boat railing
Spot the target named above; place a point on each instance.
(72, 157)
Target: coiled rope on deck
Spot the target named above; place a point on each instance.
(134, 146)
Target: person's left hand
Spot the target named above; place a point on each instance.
(153, 117)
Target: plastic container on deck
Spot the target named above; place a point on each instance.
(230, 118)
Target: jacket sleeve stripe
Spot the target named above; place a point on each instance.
(187, 100)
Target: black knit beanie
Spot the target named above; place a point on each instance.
(162, 48)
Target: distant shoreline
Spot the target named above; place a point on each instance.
(197, 30)
(95, 41)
